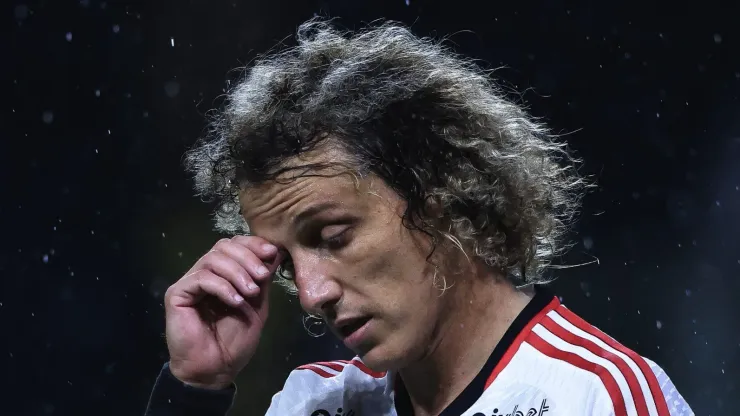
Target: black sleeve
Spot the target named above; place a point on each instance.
(172, 397)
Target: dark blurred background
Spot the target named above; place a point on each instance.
(102, 98)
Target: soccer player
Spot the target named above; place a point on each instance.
(413, 208)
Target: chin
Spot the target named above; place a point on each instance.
(386, 358)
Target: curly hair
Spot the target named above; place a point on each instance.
(430, 123)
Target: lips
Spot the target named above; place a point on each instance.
(347, 327)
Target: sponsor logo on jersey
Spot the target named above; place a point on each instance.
(518, 411)
(323, 412)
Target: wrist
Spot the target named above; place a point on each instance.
(219, 382)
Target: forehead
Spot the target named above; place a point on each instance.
(286, 198)
(269, 208)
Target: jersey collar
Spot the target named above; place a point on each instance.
(541, 303)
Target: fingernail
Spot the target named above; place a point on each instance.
(238, 298)
(269, 248)
(262, 270)
(251, 286)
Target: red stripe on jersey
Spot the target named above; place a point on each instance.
(316, 370)
(629, 375)
(337, 366)
(578, 322)
(365, 369)
(574, 359)
(514, 347)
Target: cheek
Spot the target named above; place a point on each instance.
(394, 266)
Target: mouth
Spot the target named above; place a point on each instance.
(347, 328)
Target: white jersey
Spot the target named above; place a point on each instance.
(550, 362)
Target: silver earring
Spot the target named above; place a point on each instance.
(311, 321)
(444, 281)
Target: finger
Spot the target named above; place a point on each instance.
(232, 270)
(262, 248)
(247, 260)
(189, 290)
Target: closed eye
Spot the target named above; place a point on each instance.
(326, 234)
(336, 239)
(330, 237)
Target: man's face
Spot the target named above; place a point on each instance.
(355, 263)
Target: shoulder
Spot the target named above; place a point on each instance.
(327, 385)
(598, 367)
(352, 369)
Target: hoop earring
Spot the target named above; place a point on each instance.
(308, 324)
(444, 282)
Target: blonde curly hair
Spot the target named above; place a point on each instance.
(430, 123)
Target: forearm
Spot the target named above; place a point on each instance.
(172, 397)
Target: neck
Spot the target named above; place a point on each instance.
(485, 307)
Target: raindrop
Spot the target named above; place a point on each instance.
(688, 292)
(172, 42)
(110, 368)
(68, 36)
(116, 28)
(45, 258)
(84, 3)
(21, 12)
(717, 38)
(588, 243)
(172, 88)
(407, 2)
(47, 117)
(97, 93)
(658, 324)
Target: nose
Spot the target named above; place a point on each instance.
(318, 292)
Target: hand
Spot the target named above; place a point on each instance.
(216, 312)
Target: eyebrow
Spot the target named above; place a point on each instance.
(300, 219)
